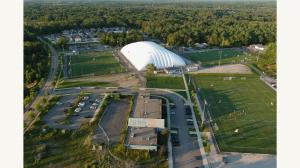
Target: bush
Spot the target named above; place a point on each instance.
(162, 151)
(31, 115)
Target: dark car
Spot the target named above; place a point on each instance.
(188, 113)
(189, 123)
(175, 140)
(88, 116)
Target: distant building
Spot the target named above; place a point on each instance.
(202, 45)
(77, 39)
(172, 70)
(192, 68)
(256, 48)
(66, 32)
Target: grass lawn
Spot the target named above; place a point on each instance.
(95, 63)
(246, 104)
(167, 82)
(69, 84)
(211, 58)
(182, 93)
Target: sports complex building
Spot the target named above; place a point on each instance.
(142, 53)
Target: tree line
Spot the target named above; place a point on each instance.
(218, 24)
(36, 65)
(267, 60)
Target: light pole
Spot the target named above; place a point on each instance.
(221, 51)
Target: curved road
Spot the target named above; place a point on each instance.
(47, 87)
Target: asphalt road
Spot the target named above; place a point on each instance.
(47, 87)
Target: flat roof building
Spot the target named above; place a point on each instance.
(144, 125)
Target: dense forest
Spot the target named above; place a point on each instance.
(227, 24)
(120, 39)
(36, 65)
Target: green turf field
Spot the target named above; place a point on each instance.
(168, 82)
(94, 63)
(211, 58)
(246, 104)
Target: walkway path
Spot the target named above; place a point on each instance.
(203, 154)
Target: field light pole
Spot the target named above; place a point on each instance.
(205, 102)
(221, 51)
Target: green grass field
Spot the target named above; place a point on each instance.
(167, 82)
(69, 84)
(94, 63)
(211, 58)
(246, 104)
(182, 93)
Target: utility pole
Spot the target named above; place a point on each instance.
(220, 55)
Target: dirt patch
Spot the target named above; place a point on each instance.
(232, 68)
(122, 80)
(250, 161)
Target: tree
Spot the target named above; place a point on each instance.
(267, 61)
(62, 41)
(150, 69)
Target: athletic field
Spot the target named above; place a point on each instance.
(212, 57)
(94, 63)
(244, 110)
(167, 82)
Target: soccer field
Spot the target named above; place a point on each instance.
(244, 110)
(211, 58)
(94, 63)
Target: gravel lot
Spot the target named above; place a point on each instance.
(232, 68)
(248, 160)
(113, 121)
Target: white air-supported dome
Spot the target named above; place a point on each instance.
(142, 53)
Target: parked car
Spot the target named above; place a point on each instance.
(98, 100)
(175, 140)
(189, 123)
(188, 113)
(81, 104)
(88, 116)
(86, 97)
(172, 111)
(59, 103)
(77, 110)
(95, 104)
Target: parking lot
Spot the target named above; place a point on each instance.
(186, 152)
(113, 121)
(61, 117)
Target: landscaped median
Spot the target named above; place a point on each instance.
(99, 111)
